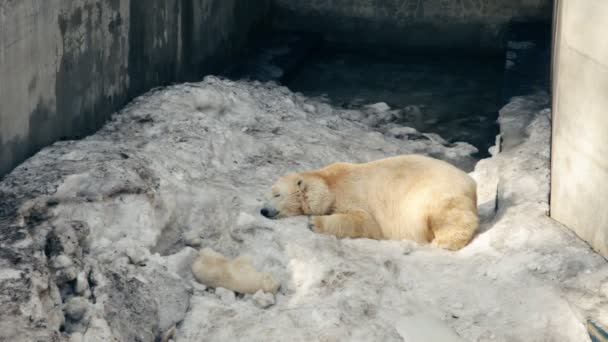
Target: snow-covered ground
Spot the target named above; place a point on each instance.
(97, 236)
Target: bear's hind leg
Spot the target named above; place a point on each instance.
(357, 224)
(454, 224)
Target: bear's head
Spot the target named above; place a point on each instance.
(298, 194)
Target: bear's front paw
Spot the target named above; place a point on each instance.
(310, 225)
(315, 224)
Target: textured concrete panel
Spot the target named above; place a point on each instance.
(65, 66)
(579, 192)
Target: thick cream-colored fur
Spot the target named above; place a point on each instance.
(215, 270)
(409, 197)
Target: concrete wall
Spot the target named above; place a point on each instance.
(464, 24)
(65, 66)
(579, 189)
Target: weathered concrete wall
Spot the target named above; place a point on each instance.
(579, 189)
(65, 66)
(477, 25)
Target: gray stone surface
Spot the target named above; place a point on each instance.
(476, 25)
(67, 65)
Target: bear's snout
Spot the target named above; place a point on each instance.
(269, 213)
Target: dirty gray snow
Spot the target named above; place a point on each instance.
(97, 236)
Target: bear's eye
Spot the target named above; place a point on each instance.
(277, 195)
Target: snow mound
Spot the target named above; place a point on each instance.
(110, 225)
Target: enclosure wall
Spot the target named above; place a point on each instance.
(579, 191)
(466, 25)
(65, 66)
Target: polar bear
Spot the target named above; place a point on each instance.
(215, 270)
(407, 197)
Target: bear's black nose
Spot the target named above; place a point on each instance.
(264, 212)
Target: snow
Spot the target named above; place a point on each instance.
(185, 168)
(422, 328)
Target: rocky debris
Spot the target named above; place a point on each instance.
(180, 263)
(137, 255)
(81, 287)
(131, 308)
(404, 133)
(192, 239)
(168, 336)
(75, 310)
(227, 296)
(263, 300)
(171, 294)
